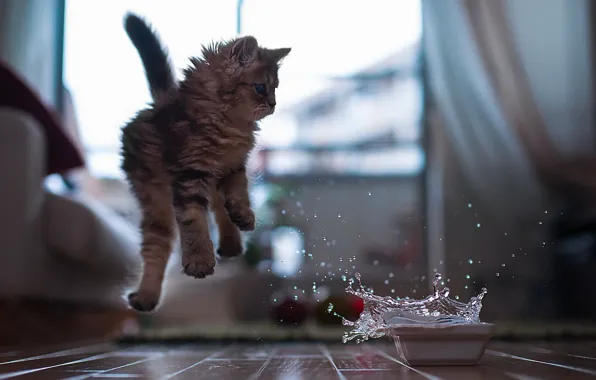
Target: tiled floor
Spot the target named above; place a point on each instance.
(291, 362)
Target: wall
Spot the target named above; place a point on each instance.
(344, 218)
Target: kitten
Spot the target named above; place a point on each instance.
(187, 151)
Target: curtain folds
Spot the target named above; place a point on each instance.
(512, 94)
(486, 147)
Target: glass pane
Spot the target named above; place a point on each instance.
(104, 73)
(345, 87)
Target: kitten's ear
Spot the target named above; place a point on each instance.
(279, 54)
(244, 50)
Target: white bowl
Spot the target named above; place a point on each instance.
(440, 344)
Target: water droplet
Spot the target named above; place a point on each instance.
(322, 264)
(469, 205)
(376, 262)
(338, 215)
(503, 264)
(386, 282)
(513, 255)
(391, 275)
(330, 308)
(369, 193)
(470, 261)
(392, 290)
(468, 276)
(477, 225)
(283, 212)
(498, 274)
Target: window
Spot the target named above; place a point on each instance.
(342, 86)
(350, 105)
(104, 73)
(344, 89)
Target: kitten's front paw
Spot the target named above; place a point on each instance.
(143, 302)
(198, 265)
(244, 218)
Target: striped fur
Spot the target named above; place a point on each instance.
(186, 153)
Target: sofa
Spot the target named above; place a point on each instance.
(55, 246)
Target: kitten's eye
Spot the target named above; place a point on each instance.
(260, 89)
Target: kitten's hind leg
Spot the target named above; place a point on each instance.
(230, 239)
(158, 229)
(237, 201)
(191, 201)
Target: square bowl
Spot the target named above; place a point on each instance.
(440, 344)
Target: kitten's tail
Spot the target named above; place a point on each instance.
(154, 56)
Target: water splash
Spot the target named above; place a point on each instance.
(437, 308)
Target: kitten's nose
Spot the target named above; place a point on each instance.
(272, 104)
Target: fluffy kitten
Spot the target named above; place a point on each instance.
(187, 151)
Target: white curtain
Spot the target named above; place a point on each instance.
(512, 81)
